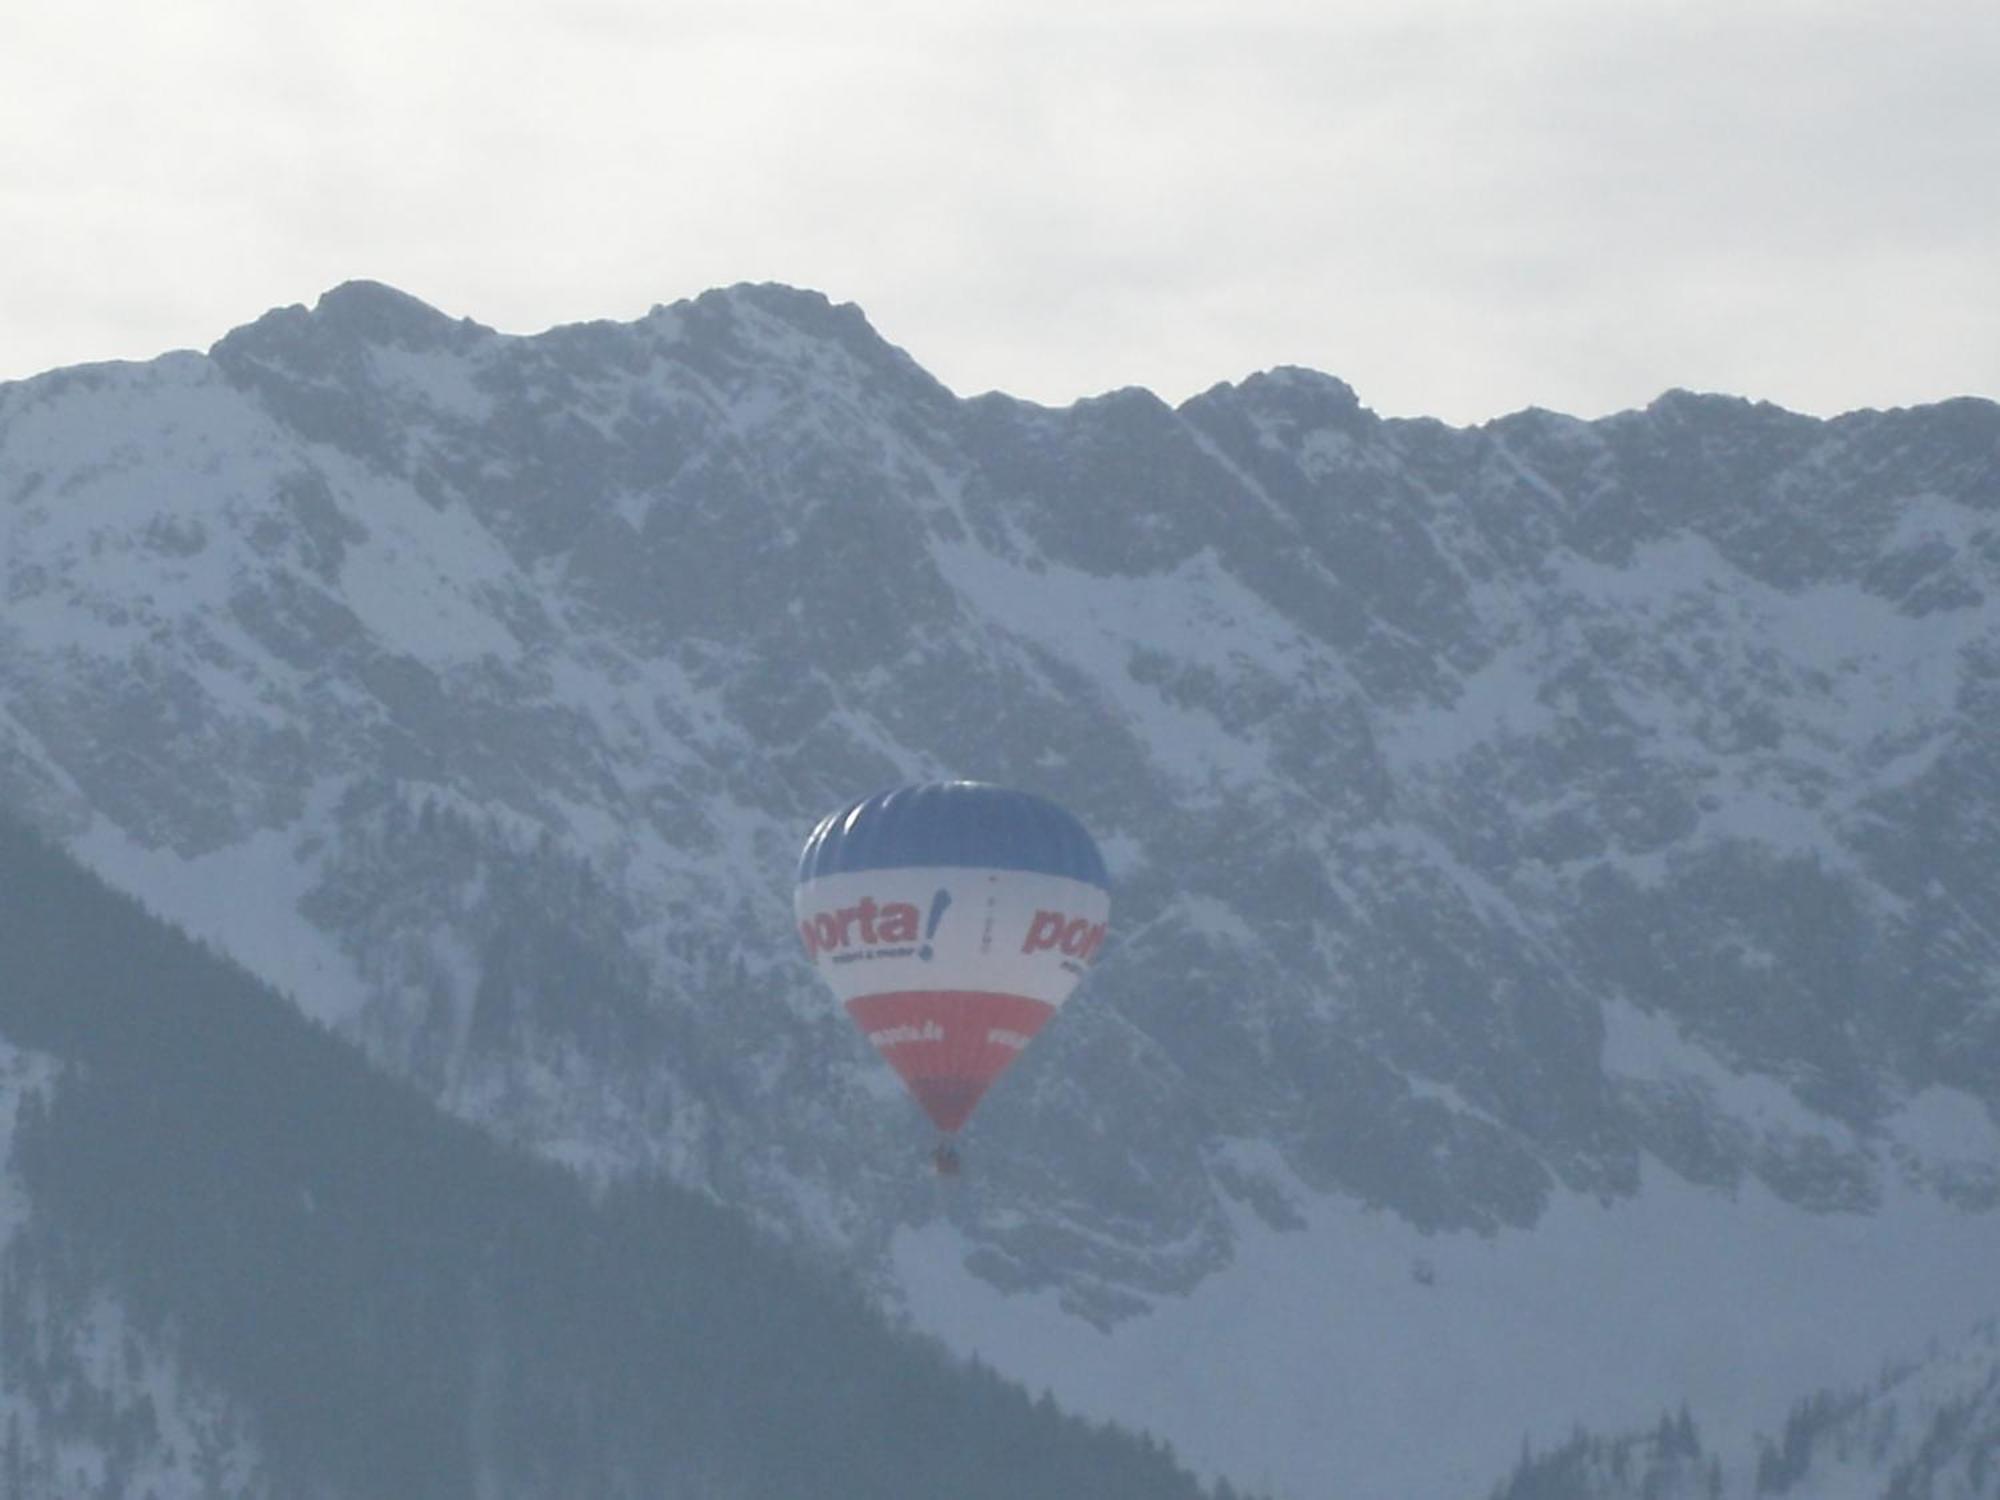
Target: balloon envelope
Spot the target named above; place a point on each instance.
(951, 920)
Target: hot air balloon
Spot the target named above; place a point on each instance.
(951, 920)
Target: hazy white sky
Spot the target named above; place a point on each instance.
(1461, 208)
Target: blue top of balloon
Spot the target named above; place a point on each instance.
(954, 823)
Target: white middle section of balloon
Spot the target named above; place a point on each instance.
(1013, 932)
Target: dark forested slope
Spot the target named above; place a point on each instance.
(407, 1309)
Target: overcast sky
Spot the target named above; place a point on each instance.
(1460, 208)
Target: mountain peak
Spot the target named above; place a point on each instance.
(765, 319)
(352, 316)
(376, 313)
(748, 305)
(1298, 399)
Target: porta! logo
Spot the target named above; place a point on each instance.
(1078, 938)
(890, 926)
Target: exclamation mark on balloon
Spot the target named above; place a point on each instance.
(938, 903)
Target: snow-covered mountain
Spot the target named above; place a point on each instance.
(1555, 934)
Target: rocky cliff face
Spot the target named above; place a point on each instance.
(1492, 812)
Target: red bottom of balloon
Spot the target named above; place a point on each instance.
(949, 1045)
